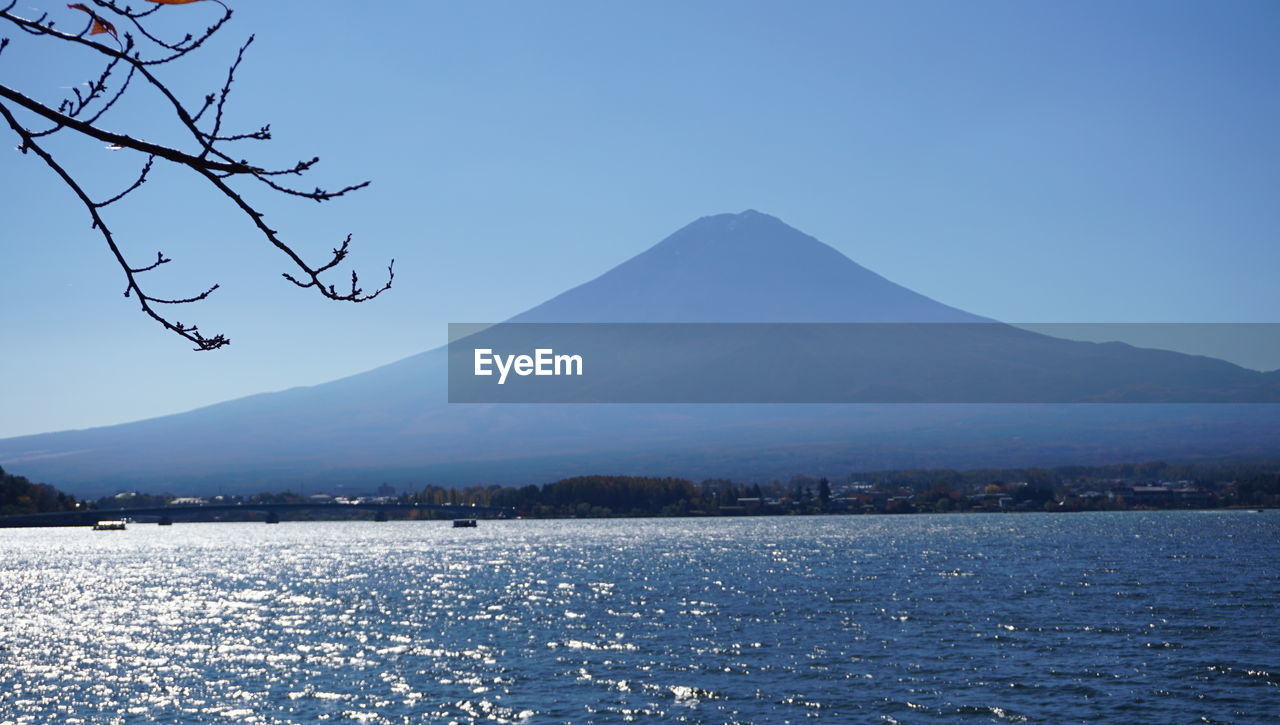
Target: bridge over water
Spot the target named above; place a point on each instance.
(210, 512)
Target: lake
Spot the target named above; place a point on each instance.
(1121, 617)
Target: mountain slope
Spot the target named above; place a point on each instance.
(747, 267)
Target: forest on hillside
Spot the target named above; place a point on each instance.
(20, 496)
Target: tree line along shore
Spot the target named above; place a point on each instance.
(1152, 485)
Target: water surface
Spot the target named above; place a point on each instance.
(1109, 617)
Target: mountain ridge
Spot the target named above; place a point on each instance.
(792, 276)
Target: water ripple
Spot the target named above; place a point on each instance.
(1112, 617)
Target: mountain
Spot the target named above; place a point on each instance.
(393, 423)
(747, 267)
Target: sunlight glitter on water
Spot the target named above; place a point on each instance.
(1115, 617)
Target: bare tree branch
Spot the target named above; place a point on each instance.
(118, 139)
(81, 113)
(142, 178)
(191, 333)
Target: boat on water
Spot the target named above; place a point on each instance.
(464, 523)
(109, 525)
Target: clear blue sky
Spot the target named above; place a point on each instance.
(1085, 161)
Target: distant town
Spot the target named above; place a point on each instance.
(1153, 485)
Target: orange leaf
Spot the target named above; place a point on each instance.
(99, 24)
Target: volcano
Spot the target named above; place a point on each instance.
(393, 424)
(748, 267)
